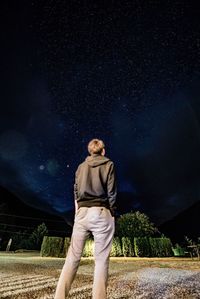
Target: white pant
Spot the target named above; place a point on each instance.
(99, 221)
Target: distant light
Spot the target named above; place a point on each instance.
(41, 167)
(67, 165)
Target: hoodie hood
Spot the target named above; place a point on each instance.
(96, 160)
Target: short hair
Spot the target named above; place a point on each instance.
(95, 146)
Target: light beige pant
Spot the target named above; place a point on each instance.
(99, 221)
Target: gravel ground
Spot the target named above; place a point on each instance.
(25, 277)
(147, 283)
(165, 283)
(150, 283)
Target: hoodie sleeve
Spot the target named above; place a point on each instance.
(112, 189)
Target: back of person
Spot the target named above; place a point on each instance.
(92, 182)
(95, 192)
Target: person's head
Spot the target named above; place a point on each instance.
(96, 146)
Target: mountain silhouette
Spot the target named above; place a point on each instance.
(16, 216)
(183, 224)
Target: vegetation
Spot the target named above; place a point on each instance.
(33, 241)
(188, 247)
(89, 248)
(135, 225)
(160, 246)
(37, 236)
(133, 238)
(116, 247)
(54, 246)
(140, 247)
(127, 247)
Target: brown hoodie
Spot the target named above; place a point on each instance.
(95, 183)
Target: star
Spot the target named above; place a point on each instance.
(41, 167)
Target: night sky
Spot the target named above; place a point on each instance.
(127, 72)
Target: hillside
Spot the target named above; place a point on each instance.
(183, 224)
(15, 215)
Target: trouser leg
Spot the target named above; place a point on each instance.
(73, 257)
(103, 243)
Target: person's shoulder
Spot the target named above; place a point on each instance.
(79, 166)
(110, 163)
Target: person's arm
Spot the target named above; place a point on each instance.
(112, 189)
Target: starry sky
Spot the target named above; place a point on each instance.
(127, 72)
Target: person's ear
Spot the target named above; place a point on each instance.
(103, 152)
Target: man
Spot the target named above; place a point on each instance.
(95, 192)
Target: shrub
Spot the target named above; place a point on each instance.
(20, 240)
(89, 248)
(127, 247)
(154, 243)
(65, 248)
(156, 247)
(37, 235)
(52, 246)
(116, 249)
(166, 247)
(25, 240)
(134, 225)
(142, 246)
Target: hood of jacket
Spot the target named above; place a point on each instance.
(96, 160)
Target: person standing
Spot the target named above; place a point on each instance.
(95, 192)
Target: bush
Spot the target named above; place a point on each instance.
(37, 235)
(25, 240)
(155, 247)
(20, 240)
(52, 246)
(142, 246)
(127, 247)
(116, 249)
(134, 225)
(66, 245)
(160, 246)
(166, 247)
(89, 248)
(154, 243)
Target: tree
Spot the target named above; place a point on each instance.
(135, 224)
(26, 240)
(37, 236)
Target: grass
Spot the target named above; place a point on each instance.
(29, 264)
